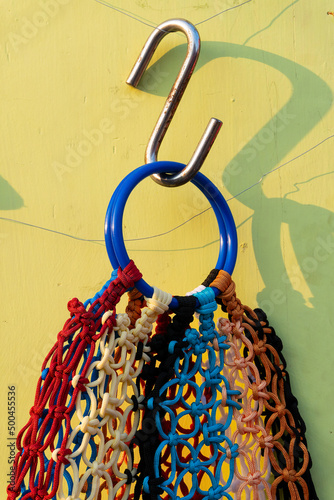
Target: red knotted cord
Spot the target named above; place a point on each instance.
(51, 398)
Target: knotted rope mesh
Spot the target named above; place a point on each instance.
(48, 443)
(189, 443)
(282, 437)
(203, 413)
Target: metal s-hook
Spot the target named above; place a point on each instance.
(173, 100)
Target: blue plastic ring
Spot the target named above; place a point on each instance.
(114, 218)
(109, 236)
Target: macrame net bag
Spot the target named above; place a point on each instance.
(77, 442)
(143, 404)
(220, 420)
(256, 357)
(86, 406)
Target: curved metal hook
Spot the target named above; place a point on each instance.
(173, 100)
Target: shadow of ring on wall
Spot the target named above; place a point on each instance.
(304, 325)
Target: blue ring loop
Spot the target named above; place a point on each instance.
(114, 218)
(109, 236)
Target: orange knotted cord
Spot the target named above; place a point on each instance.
(135, 305)
(273, 394)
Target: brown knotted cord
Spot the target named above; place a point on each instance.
(228, 296)
(291, 461)
(135, 304)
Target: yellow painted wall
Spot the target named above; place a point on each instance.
(266, 70)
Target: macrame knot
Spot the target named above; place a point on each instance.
(192, 336)
(134, 295)
(206, 436)
(129, 275)
(75, 307)
(240, 363)
(130, 478)
(259, 348)
(152, 485)
(232, 452)
(133, 272)
(183, 380)
(281, 410)
(11, 494)
(80, 382)
(255, 390)
(87, 319)
(62, 454)
(240, 425)
(123, 340)
(36, 412)
(223, 281)
(134, 307)
(196, 409)
(33, 449)
(228, 297)
(212, 377)
(59, 372)
(97, 468)
(38, 494)
(135, 403)
(234, 307)
(207, 332)
(216, 493)
(224, 326)
(207, 300)
(211, 276)
(107, 300)
(89, 425)
(123, 322)
(114, 443)
(266, 442)
(200, 348)
(173, 439)
(194, 466)
(254, 479)
(109, 317)
(86, 334)
(59, 411)
(237, 329)
(289, 475)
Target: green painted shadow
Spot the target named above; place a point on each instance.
(9, 198)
